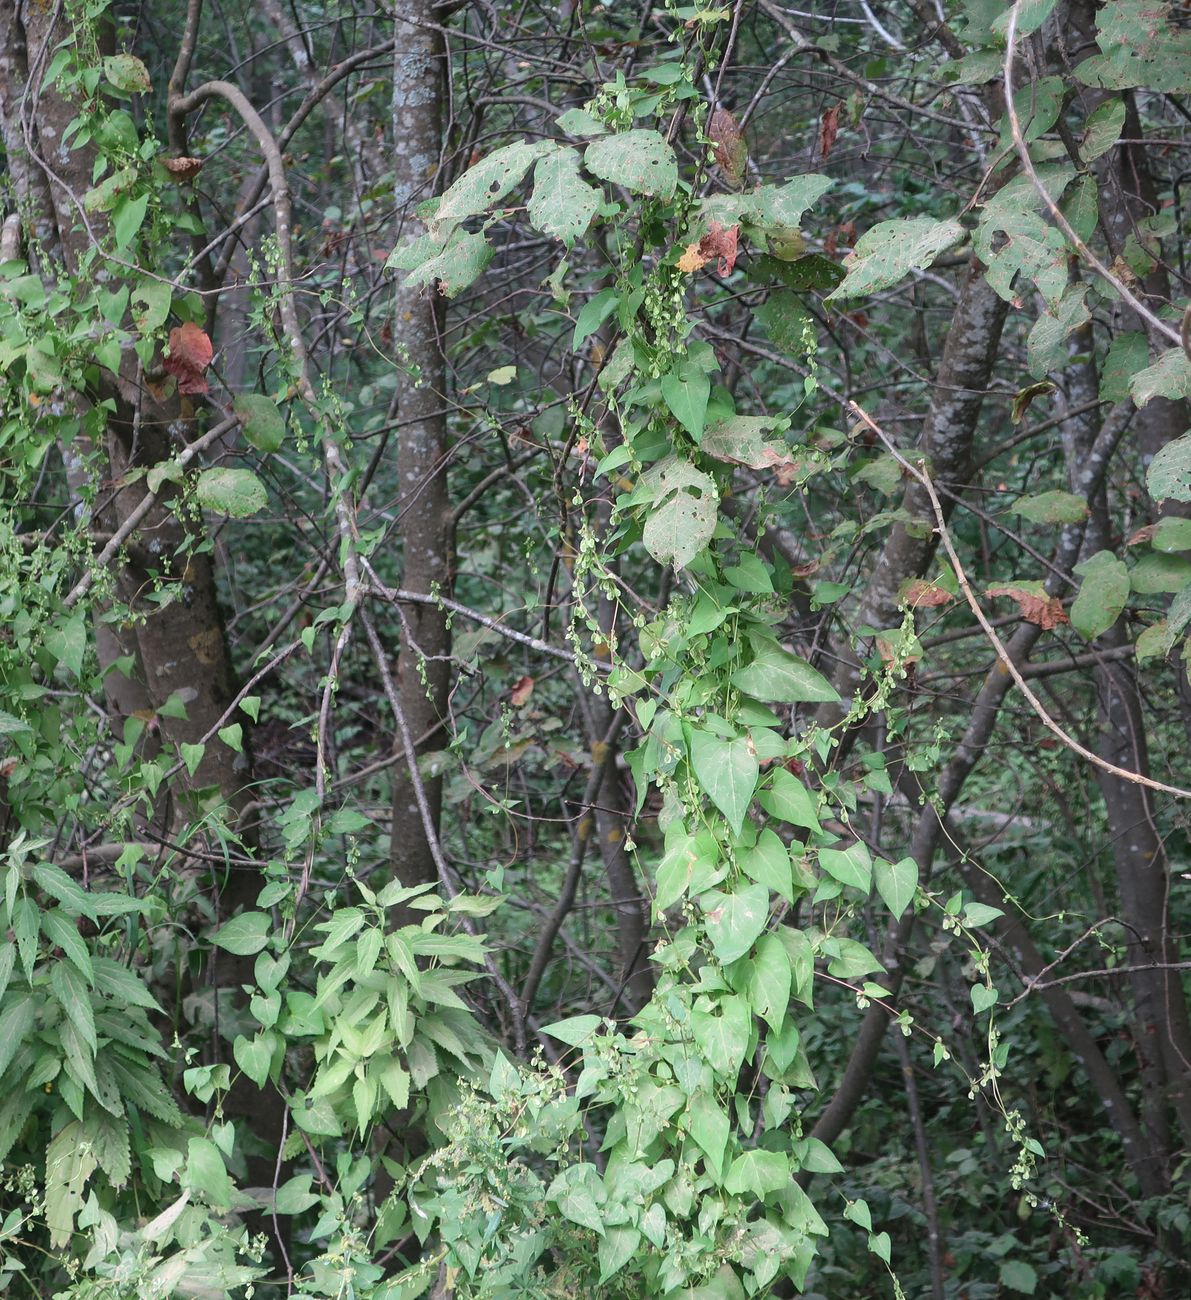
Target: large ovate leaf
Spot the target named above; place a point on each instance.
(1169, 376)
(734, 921)
(579, 1194)
(1169, 475)
(453, 266)
(770, 980)
(683, 515)
(768, 863)
(790, 801)
(709, 1126)
(779, 677)
(852, 866)
(1157, 573)
(482, 186)
(727, 773)
(245, 934)
(206, 1175)
(641, 161)
(262, 422)
(685, 391)
(1052, 508)
(758, 1172)
(891, 250)
(896, 883)
(724, 1038)
(1141, 46)
(1102, 594)
(235, 492)
(562, 204)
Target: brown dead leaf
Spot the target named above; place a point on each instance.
(731, 152)
(691, 260)
(1145, 534)
(921, 594)
(522, 690)
(1043, 611)
(828, 129)
(722, 243)
(189, 356)
(891, 652)
(183, 169)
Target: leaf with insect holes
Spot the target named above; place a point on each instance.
(1169, 376)
(126, 72)
(190, 354)
(562, 204)
(641, 161)
(1169, 475)
(683, 516)
(454, 265)
(234, 492)
(740, 440)
(891, 250)
(482, 186)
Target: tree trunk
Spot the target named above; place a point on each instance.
(423, 667)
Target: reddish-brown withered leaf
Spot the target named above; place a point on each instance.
(190, 355)
(926, 595)
(720, 243)
(828, 130)
(1042, 610)
(183, 168)
(730, 150)
(522, 690)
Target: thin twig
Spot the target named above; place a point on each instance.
(1156, 323)
(918, 472)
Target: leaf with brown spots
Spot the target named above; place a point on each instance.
(190, 354)
(1037, 607)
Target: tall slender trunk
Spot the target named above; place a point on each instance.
(423, 667)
